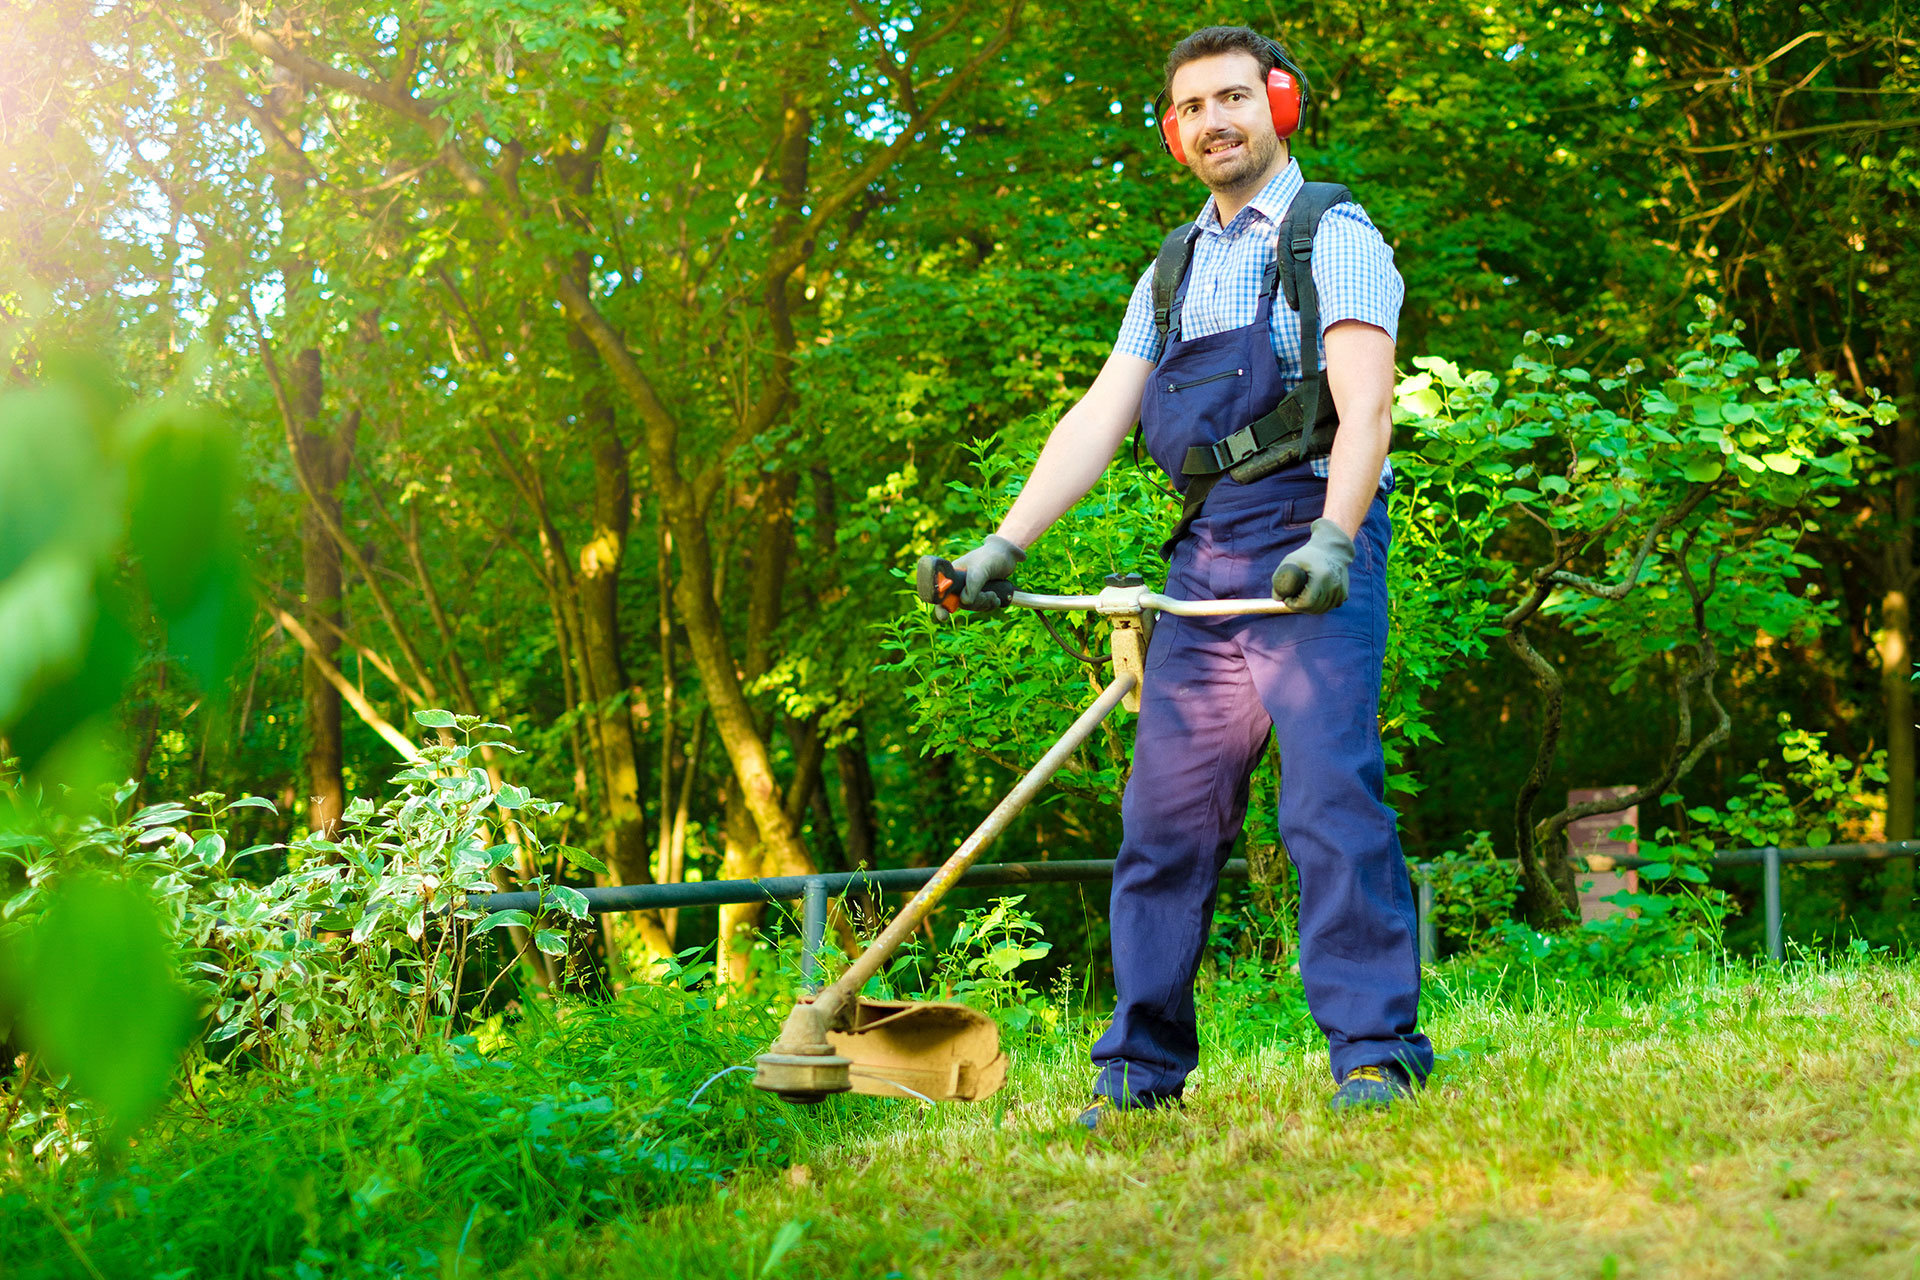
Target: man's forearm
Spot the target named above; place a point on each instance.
(1081, 446)
(1073, 459)
(1353, 469)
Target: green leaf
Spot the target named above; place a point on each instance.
(253, 802)
(512, 797)
(550, 942)
(582, 859)
(1785, 463)
(569, 900)
(500, 919)
(784, 1240)
(435, 719)
(46, 612)
(1702, 470)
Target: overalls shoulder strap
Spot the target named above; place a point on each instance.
(1303, 424)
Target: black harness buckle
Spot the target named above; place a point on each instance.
(1235, 448)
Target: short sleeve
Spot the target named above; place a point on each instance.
(1354, 272)
(1137, 334)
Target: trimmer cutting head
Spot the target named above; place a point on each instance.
(890, 1049)
(802, 1078)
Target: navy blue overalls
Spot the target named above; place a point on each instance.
(1213, 689)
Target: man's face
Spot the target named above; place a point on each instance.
(1226, 129)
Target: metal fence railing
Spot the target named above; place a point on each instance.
(813, 892)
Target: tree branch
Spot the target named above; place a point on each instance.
(349, 692)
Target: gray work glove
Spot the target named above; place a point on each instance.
(1314, 578)
(991, 561)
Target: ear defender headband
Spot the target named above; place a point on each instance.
(1286, 99)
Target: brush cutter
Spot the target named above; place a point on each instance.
(837, 1041)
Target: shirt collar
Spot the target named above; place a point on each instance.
(1271, 203)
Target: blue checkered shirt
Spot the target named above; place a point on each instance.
(1352, 268)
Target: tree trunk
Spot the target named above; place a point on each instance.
(856, 798)
(598, 587)
(1895, 645)
(749, 853)
(324, 458)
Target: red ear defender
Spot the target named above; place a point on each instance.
(1170, 137)
(1283, 100)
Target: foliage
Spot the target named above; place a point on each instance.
(101, 566)
(1663, 518)
(1473, 891)
(978, 966)
(92, 980)
(1249, 1003)
(464, 1155)
(1764, 451)
(357, 952)
(103, 570)
(1812, 799)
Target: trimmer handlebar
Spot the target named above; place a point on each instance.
(938, 582)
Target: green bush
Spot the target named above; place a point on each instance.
(357, 952)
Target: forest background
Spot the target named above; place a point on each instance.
(598, 369)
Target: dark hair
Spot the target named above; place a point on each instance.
(1208, 41)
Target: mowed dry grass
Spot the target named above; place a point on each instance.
(1734, 1126)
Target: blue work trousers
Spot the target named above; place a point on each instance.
(1214, 688)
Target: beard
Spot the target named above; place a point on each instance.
(1236, 170)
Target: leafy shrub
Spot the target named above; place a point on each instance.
(1000, 686)
(980, 963)
(358, 951)
(1674, 920)
(978, 967)
(1473, 891)
(1247, 1001)
(1814, 799)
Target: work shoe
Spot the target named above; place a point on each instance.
(1380, 1086)
(1094, 1116)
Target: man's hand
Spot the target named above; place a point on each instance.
(1314, 578)
(991, 561)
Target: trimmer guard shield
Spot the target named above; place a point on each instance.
(947, 1052)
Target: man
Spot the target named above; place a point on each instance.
(1317, 530)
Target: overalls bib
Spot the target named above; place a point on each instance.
(1213, 690)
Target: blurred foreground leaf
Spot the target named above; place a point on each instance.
(117, 538)
(92, 984)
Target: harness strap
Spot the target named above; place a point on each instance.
(1169, 269)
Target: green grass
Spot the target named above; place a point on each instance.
(1736, 1122)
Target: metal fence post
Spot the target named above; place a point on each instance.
(1776, 945)
(813, 931)
(1429, 943)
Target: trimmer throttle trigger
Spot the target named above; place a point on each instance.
(937, 582)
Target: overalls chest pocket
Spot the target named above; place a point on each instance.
(1194, 399)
